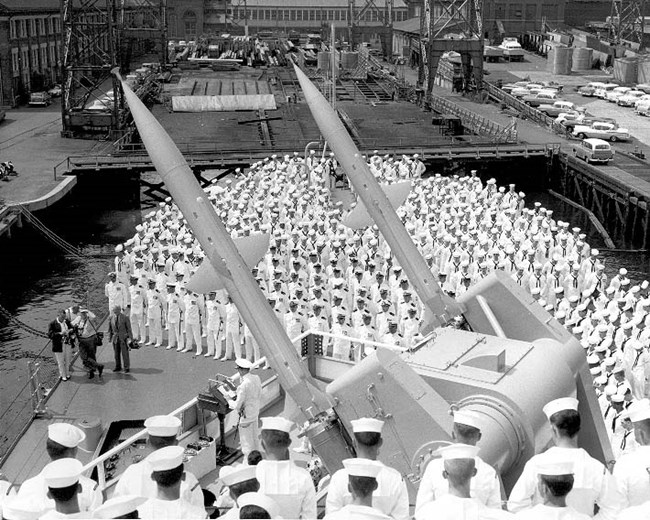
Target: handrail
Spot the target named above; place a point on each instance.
(352, 339)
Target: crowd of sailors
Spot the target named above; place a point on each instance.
(563, 482)
(322, 276)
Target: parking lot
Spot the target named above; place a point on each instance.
(533, 68)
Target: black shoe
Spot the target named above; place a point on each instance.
(117, 369)
(126, 370)
(91, 375)
(100, 371)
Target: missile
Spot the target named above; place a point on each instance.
(222, 255)
(359, 218)
(441, 308)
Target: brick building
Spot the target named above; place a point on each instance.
(30, 42)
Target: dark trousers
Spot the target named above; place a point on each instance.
(121, 351)
(88, 353)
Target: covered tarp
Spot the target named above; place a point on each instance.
(223, 103)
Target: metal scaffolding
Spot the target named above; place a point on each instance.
(451, 25)
(626, 21)
(361, 11)
(99, 35)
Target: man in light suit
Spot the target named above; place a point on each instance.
(119, 334)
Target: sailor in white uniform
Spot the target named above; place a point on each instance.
(258, 505)
(239, 480)
(62, 481)
(459, 466)
(362, 481)
(125, 506)
(593, 484)
(391, 495)
(289, 485)
(247, 405)
(484, 486)
(167, 469)
(136, 479)
(17, 508)
(62, 442)
(631, 470)
(555, 474)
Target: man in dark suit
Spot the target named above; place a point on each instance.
(119, 333)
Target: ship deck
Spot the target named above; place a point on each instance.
(159, 381)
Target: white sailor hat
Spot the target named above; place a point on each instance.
(65, 434)
(20, 508)
(260, 500)
(610, 361)
(362, 467)
(639, 411)
(277, 423)
(62, 473)
(163, 425)
(367, 424)
(119, 248)
(618, 398)
(559, 405)
(600, 380)
(243, 363)
(139, 227)
(117, 507)
(595, 371)
(458, 451)
(601, 347)
(553, 465)
(230, 475)
(166, 458)
(468, 418)
(610, 390)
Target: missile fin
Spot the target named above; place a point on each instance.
(359, 218)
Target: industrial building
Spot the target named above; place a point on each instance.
(30, 43)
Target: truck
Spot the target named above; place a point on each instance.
(512, 51)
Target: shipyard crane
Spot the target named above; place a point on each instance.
(451, 25)
(627, 22)
(509, 343)
(99, 35)
(359, 11)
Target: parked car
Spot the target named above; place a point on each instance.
(55, 91)
(552, 85)
(594, 150)
(643, 99)
(558, 107)
(606, 131)
(613, 95)
(518, 84)
(643, 109)
(589, 90)
(645, 87)
(564, 117)
(569, 124)
(39, 99)
(542, 97)
(601, 92)
(629, 98)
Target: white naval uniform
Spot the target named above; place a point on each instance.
(484, 486)
(193, 325)
(136, 480)
(137, 297)
(35, 489)
(175, 307)
(390, 497)
(631, 475)
(213, 325)
(247, 405)
(55, 515)
(593, 485)
(156, 509)
(451, 507)
(542, 512)
(154, 316)
(354, 512)
(640, 512)
(290, 486)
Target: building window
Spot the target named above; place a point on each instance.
(549, 11)
(294, 14)
(12, 29)
(32, 27)
(41, 26)
(344, 15)
(287, 15)
(189, 23)
(57, 25)
(531, 12)
(15, 62)
(499, 11)
(515, 11)
(22, 28)
(35, 63)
